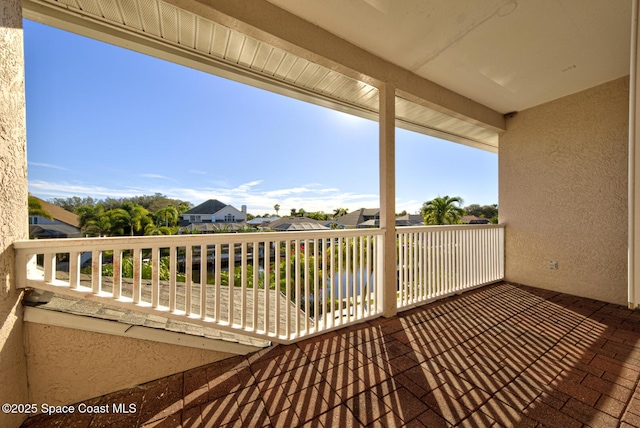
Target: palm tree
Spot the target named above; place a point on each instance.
(169, 215)
(339, 212)
(101, 226)
(89, 216)
(443, 210)
(277, 208)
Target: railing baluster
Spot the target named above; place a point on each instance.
(155, 277)
(204, 270)
(243, 285)
(296, 291)
(96, 271)
(232, 282)
(316, 286)
(332, 282)
(307, 269)
(325, 308)
(347, 277)
(256, 270)
(173, 272)
(117, 273)
(340, 281)
(137, 275)
(74, 269)
(370, 269)
(217, 281)
(49, 267)
(360, 286)
(276, 260)
(287, 263)
(267, 286)
(188, 279)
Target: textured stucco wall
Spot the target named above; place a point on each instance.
(13, 206)
(68, 366)
(563, 193)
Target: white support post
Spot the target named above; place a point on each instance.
(387, 122)
(634, 165)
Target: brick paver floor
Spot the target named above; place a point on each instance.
(502, 355)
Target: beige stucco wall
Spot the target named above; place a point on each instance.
(13, 206)
(68, 366)
(563, 193)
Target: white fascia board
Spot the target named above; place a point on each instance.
(115, 328)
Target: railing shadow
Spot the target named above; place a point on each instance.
(503, 354)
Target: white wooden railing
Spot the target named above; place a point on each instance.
(278, 286)
(438, 261)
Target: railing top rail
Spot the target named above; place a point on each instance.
(405, 229)
(132, 242)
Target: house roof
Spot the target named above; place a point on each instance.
(212, 227)
(409, 220)
(60, 214)
(356, 217)
(288, 223)
(262, 220)
(211, 206)
(472, 219)
(302, 226)
(54, 231)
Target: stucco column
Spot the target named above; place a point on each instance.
(388, 197)
(13, 207)
(634, 164)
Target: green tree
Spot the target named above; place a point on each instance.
(131, 217)
(101, 226)
(73, 203)
(339, 212)
(89, 216)
(443, 210)
(152, 229)
(168, 215)
(36, 208)
(485, 211)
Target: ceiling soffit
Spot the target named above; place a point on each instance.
(166, 31)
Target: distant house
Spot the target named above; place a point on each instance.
(359, 218)
(213, 211)
(410, 220)
(213, 216)
(370, 217)
(64, 224)
(471, 219)
(290, 224)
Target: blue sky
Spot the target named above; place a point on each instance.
(106, 122)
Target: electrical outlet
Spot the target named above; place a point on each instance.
(553, 265)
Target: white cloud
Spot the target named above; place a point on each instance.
(154, 176)
(257, 201)
(63, 189)
(47, 165)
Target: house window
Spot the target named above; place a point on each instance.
(229, 218)
(195, 218)
(33, 220)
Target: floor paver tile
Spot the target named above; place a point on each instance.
(588, 415)
(501, 355)
(367, 407)
(551, 417)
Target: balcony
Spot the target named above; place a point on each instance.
(502, 354)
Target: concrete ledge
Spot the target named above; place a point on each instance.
(95, 325)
